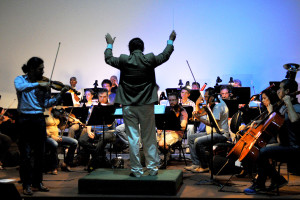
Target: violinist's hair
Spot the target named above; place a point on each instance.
(272, 95)
(32, 63)
(173, 94)
(106, 81)
(290, 84)
(136, 44)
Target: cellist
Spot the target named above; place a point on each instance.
(288, 147)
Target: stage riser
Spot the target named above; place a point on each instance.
(108, 181)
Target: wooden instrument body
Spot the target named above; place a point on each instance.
(255, 138)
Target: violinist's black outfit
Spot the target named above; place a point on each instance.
(32, 101)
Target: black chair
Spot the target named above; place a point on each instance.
(178, 145)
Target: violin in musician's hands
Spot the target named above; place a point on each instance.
(56, 85)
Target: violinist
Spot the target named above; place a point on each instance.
(54, 139)
(288, 148)
(33, 98)
(173, 136)
(198, 142)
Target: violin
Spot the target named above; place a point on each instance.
(57, 85)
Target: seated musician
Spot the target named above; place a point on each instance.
(288, 138)
(185, 101)
(195, 86)
(114, 81)
(89, 98)
(180, 123)
(75, 98)
(108, 85)
(225, 92)
(54, 139)
(269, 98)
(198, 142)
(95, 134)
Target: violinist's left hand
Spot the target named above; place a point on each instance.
(65, 89)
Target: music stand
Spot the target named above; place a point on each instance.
(214, 125)
(241, 94)
(194, 95)
(80, 113)
(166, 121)
(101, 115)
(173, 90)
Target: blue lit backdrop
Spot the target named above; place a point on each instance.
(249, 40)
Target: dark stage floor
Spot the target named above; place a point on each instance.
(65, 185)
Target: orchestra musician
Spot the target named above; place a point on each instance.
(108, 85)
(173, 136)
(115, 84)
(33, 98)
(137, 93)
(199, 141)
(75, 98)
(94, 135)
(288, 148)
(54, 139)
(269, 98)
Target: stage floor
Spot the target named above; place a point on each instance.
(65, 185)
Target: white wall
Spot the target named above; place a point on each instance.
(246, 39)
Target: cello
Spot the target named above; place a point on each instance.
(258, 136)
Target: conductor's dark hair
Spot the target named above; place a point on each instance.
(136, 44)
(32, 63)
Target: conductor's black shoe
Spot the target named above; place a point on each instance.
(40, 187)
(27, 191)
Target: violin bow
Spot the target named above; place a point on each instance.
(191, 70)
(54, 62)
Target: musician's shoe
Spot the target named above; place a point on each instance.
(153, 172)
(190, 168)
(135, 175)
(40, 187)
(27, 191)
(65, 167)
(200, 170)
(277, 183)
(254, 188)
